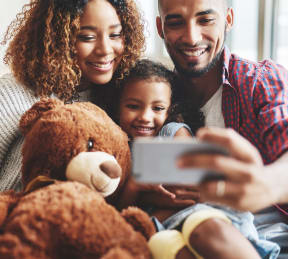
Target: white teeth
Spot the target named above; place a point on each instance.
(193, 53)
(101, 65)
(144, 128)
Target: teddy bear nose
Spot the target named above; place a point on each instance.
(111, 168)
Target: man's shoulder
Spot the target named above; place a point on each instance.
(266, 65)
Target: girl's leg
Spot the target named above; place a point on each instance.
(215, 237)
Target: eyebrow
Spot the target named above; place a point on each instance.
(177, 16)
(93, 28)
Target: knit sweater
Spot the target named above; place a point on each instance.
(15, 99)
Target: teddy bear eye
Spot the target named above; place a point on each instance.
(90, 144)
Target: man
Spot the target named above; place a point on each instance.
(251, 98)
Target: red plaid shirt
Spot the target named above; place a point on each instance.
(255, 103)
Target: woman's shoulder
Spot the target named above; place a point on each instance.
(14, 94)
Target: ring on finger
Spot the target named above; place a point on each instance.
(220, 188)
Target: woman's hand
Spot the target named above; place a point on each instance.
(249, 185)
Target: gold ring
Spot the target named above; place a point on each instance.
(220, 188)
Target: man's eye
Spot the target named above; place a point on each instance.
(207, 20)
(174, 23)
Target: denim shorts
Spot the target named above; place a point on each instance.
(243, 221)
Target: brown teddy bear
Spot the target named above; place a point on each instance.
(71, 219)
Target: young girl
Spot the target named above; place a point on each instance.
(146, 105)
(74, 50)
(146, 102)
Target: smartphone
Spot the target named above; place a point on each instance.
(154, 160)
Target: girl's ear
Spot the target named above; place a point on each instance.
(30, 117)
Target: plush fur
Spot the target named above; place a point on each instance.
(72, 219)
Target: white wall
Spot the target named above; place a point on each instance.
(8, 12)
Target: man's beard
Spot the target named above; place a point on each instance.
(192, 72)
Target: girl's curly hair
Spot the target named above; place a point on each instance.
(42, 52)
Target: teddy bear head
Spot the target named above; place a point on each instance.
(77, 142)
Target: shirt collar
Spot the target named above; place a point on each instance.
(226, 60)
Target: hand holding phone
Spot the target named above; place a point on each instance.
(154, 160)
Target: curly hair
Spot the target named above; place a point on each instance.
(42, 52)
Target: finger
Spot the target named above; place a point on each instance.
(237, 145)
(228, 166)
(164, 191)
(186, 195)
(241, 197)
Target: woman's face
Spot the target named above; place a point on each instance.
(100, 43)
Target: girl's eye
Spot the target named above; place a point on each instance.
(132, 106)
(90, 144)
(159, 108)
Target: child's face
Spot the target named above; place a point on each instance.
(144, 107)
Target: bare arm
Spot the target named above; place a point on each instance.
(182, 132)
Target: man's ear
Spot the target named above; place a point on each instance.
(159, 27)
(229, 19)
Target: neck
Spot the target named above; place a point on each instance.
(201, 89)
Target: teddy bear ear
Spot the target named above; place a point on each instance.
(29, 118)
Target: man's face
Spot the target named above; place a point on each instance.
(194, 33)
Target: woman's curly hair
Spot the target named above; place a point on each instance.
(42, 52)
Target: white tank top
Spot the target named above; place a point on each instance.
(212, 110)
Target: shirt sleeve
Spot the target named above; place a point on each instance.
(271, 103)
(14, 101)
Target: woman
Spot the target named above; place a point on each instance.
(74, 50)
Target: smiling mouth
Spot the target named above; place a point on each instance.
(193, 53)
(141, 128)
(102, 66)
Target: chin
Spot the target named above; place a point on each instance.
(101, 80)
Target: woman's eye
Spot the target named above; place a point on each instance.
(85, 37)
(116, 35)
(90, 144)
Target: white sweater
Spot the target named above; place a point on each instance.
(14, 101)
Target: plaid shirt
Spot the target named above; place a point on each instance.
(255, 103)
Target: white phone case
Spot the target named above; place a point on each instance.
(154, 160)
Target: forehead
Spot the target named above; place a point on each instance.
(153, 86)
(190, 7)
(100, 12)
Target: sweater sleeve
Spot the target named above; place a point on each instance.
(14, 101)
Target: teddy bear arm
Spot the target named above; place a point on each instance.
(117, 253)
(7, 202)
(139, 220)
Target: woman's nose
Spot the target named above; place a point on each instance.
(103, 46)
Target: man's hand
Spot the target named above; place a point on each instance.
(249, 185)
